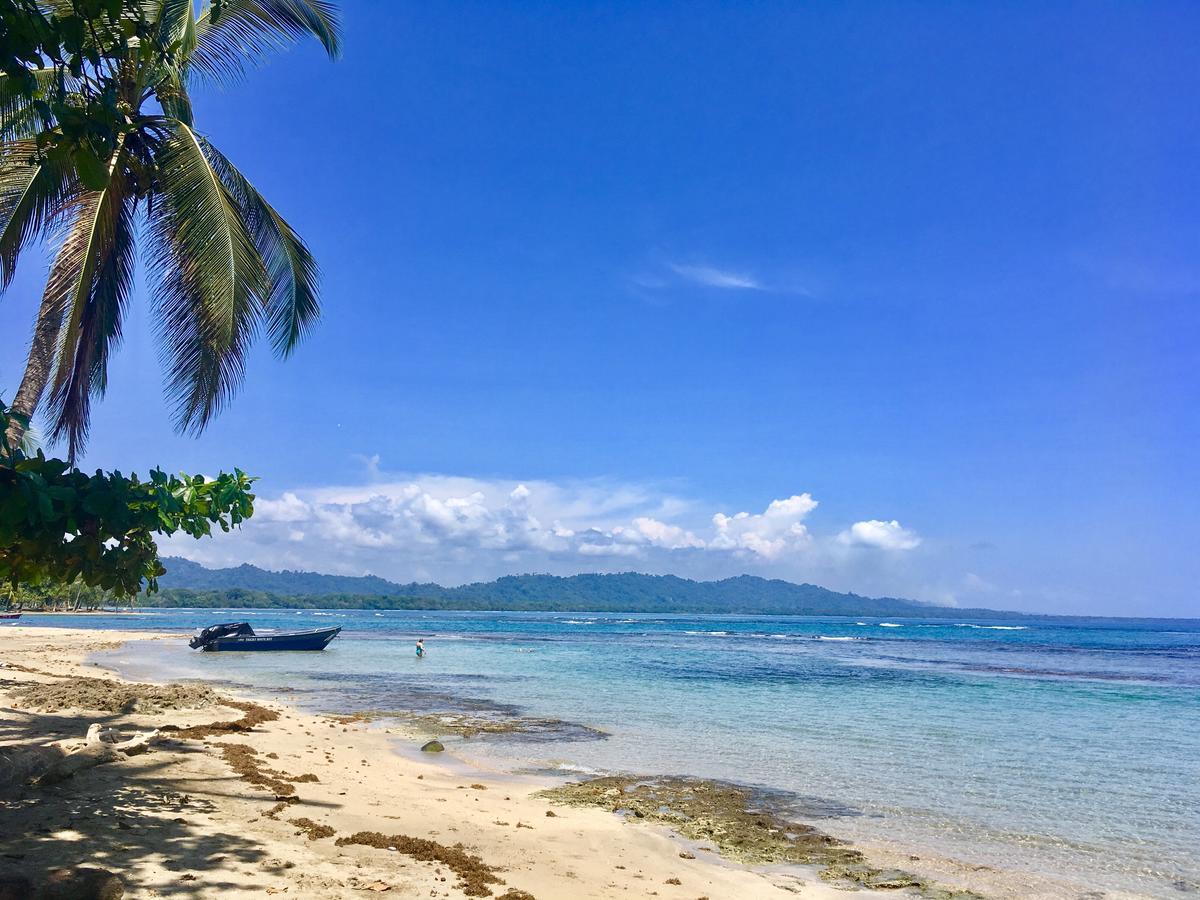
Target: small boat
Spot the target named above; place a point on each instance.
(10, 615)
(240, 636)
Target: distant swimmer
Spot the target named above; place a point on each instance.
(420, 649)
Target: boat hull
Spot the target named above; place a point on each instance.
(302, 640)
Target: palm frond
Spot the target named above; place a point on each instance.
(293, 305)
(34, 196)
(90, 282)
(248, 30)
(20, 115)
(176, 24)
(172, 94)
(210, 282)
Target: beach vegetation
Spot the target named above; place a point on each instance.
(46, 597)
(100, 153)
(61, 526)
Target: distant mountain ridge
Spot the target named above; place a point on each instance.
(189, 584)
(183, 573)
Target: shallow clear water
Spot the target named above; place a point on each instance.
(1068, 748)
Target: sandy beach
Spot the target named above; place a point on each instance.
(283, 802)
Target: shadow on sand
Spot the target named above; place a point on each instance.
(136, 817)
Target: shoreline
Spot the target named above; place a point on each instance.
(186, 818)
(151, 609)
(369, 768)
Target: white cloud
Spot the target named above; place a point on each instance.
(882, 535)
(769, 535)
(288, 508)
(710, 276)
(454, 529)
(671, 537)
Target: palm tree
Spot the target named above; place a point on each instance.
(222, 262)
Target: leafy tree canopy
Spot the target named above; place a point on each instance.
(58, 524)
(56, 59)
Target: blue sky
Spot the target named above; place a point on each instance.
(596, 274)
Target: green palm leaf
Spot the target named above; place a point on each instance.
(248, 30)
(34, 196)
(222, 260)
(211, 284)
(177, 26)
(172, 94)
(89, 285)
(293, 306)
(20, 115)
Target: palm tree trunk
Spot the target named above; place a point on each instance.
(37, 365)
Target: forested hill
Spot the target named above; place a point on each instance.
(183, 573)
(189, 584)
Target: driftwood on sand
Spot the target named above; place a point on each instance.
(47, 764)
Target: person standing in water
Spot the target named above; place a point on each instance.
(420, 648)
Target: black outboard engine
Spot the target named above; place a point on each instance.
(213, 632)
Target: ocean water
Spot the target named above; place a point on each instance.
(1061, 748)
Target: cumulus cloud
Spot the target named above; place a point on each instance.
(880, 535)
(768, 535)
(454, 529)
(660, 534)
(288, 508)
(710, 276)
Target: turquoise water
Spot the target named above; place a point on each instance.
(1062, 748)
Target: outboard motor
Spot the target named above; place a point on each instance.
(213, 632)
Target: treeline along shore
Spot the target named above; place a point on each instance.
(188, 584)
(239, 598)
